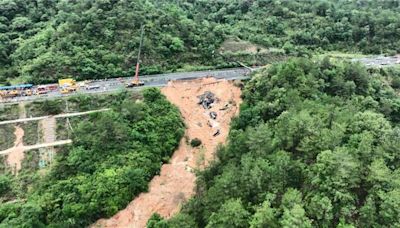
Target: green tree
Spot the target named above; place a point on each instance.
(295, 217)
(231, 214)
(5, 184)
(265, 216)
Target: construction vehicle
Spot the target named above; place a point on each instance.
(136, 82)
(67, 85)
(16, 90)
(41, 90)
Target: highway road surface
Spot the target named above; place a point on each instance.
(379, 61)
(156, 80)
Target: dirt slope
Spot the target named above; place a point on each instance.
(48, 127)
(16, 154)
(176, 182)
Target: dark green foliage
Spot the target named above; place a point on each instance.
(156, 221)
(195, 142)
(8, 112)
(394, 74)
(32, 135)
(179, 221)
(14, 189)
(112, 159)
(51, 107)
(5, 182)
(44, 108)
(85, 102)
(7, 136)
(231, 214)
(316, 145)
(62, 130)
(75, 103)
(47, 40)
(396, 83)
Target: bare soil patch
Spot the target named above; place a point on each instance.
(16, 154)
(176, 182)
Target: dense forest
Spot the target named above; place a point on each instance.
(112, 159)
(43, 40)
(316, 145)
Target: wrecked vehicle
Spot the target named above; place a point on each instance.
(213, 115)
(206, 99)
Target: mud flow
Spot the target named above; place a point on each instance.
(207, 106)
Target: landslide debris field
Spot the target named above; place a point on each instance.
(207, 106)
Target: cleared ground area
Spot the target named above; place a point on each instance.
(176, 182)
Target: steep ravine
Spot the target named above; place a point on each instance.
(176, 182)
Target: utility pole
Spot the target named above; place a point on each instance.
(138, 57)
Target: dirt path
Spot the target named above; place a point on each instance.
(22, 110)
(176, 182)
(48, 127)
(16, 153)
(37, 146)
(47, 124)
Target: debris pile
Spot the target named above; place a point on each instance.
(217, 133)
(213, 115)
(226, 106)
(207, 99)
(177, 180)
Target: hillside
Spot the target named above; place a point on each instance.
(175, 184)
(42, 41)
(316, 144)
(113, 156)
(311, 138)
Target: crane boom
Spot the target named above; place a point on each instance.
(138, 57)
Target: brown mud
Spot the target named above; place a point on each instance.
(176, 182)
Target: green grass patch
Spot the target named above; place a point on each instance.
(62, 129)
(44, 108)
(8, 111)
(32, 134)
(7, 136)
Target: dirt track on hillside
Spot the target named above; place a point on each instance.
(176, 182)
(16, 154)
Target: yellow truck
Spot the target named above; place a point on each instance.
(67, 85)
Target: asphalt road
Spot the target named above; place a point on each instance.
(379, 61)
(156, 80)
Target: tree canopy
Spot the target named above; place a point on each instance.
(113, 157)
(307, 150)
(44, 40)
